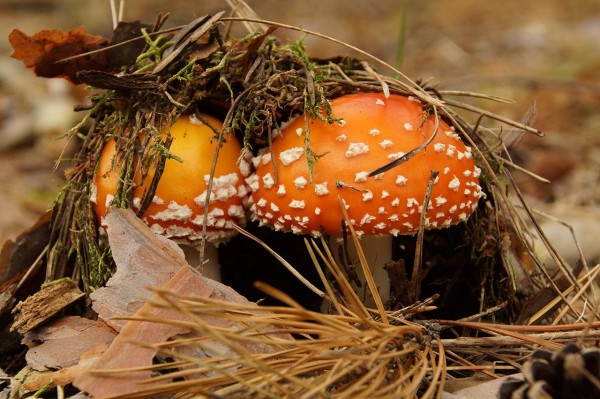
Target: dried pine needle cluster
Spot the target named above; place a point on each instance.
(336, 356)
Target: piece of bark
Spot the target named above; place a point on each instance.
(61, 343)
(16, 258)
(44, 304)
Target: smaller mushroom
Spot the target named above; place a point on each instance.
(177, 210)
(371, 131)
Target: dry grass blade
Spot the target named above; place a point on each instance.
(338, 357)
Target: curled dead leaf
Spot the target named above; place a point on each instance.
(43, 52)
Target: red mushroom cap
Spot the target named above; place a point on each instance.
(177, 209)
(372, 131)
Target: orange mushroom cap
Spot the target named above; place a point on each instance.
(372, 131)
(177, 209)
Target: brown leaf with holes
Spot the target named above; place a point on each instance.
(43, 51)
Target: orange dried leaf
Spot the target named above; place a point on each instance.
(42, 51)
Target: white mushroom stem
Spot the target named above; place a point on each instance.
(211, 267)
(378, 251)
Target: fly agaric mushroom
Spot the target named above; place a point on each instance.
(177, 208)
(371, 131)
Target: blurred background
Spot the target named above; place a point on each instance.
(542, 52)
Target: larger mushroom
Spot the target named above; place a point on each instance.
(371, 131)
(177, 210)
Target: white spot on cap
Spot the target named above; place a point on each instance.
(297, 230)
(361, 177)
(281, 190)
(446, 170)
(374, 132)
(396, 201)
(467, 173)
(453, 209)
(321, 189)
(467, 191)
(450, 151)
(274, 207)
(262, 202)
(367, 219)
(380, 226)
(266, 158)
(440, 215)
(355, 149)
(439, 201)
(342, 122)
(386, 143)
(401, 180)
(454, 184)
(300, 182)
(381, 210)
(439, 147)
(317, 211)
(379, 176)
(367, 196)
(407, 224)
(379, 102)
(394, 232)
(256, 160)
(174, 211)
(291, 155)
(157, 200)
(476, 172)
(236, 211)
(297, 204)
(410, 202)
(384, 194)
(252, 182)
(137, 202)
(408, 127)
(299, 131)
(462, 216)
(341, 138)
(396, 155)
(268, 181)
(393, 218)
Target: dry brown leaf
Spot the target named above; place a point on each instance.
(123, 353)
(61, 343)
(143, 260)
(41, 52)
(136, 247)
